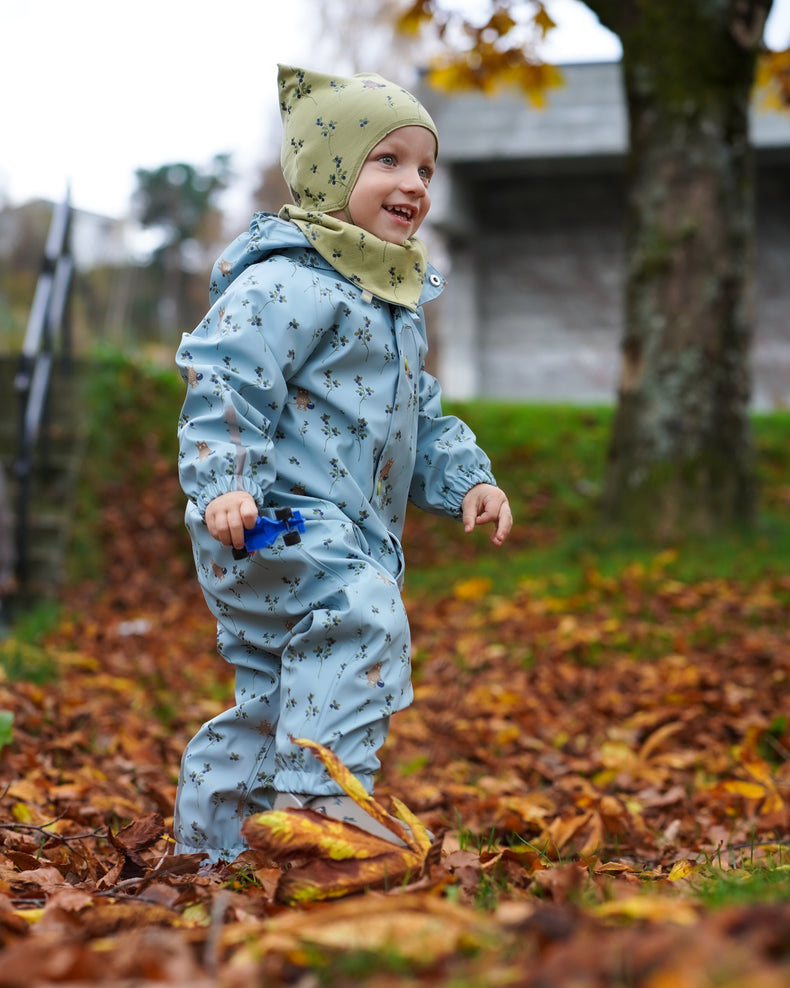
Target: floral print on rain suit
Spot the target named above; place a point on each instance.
(309, 393)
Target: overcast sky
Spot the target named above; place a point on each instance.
(94, 89)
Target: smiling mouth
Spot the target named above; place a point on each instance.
(404, 213)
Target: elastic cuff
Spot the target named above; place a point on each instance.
(208, 494)
(455, 497)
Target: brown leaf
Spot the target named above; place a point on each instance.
(139, 834)
(335, 858)
(423, 928)
(326, 878)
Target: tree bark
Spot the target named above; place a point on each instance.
(681, 455)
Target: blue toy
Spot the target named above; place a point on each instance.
(266, 531)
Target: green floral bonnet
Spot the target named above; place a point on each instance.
(330, 125)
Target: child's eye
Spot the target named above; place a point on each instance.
(387, 159)
(426, 174)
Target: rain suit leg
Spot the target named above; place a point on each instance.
(320, 642)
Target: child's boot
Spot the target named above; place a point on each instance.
(339, 808)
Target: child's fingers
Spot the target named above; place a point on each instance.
(504, 524)
(249, 513)
(236, 528)
(228, 515)
(488, 504)
(471, 513)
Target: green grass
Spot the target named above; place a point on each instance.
(754, 880)
(551, 461)
(22, 656)
(549, 458)
(133, 409)
(130, 403)
(747, 886)
(354, 966)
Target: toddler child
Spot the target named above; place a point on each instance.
(306, 389)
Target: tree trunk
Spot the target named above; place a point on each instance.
(681, 456)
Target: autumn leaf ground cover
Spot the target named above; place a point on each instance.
(599, 745)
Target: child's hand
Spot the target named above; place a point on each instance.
(229, 514)
(484, 503)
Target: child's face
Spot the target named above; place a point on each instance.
(390, 198)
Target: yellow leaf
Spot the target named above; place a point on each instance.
(289, 833)
(412, 20)
(653, 908)
(507, 734)
(195, 915)
(29, 915)
(613, 868)
(351, 785)
(416, 928)
(335, 858)
(26, 790)
(759, 769)
(658, 737)
(749, 790)
(543, 21)
(773, 804)
(22, 813)
(419, 927)
(773, 79)
(451, 76)
(561, 831)
(532, 808)
(495, 697)
(472, 589)
(535, 80)
(414, 824)
(501, 22)
(595, 837)
(618, 756)
(682, 869)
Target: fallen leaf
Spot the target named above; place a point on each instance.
(653, 908)
(331, 858)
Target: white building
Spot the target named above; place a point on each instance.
(530, 204)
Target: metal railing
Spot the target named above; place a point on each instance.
(48, 330)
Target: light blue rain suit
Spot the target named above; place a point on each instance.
(311, 394)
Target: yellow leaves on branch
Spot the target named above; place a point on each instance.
(773, 79)
(330, 858)
(488, 69)
(424, 12)
(412, 20)
(499, 55)
(543, 21)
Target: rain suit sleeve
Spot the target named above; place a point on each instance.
(449, 461)
(236, 365)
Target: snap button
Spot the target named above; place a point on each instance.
(435, 280)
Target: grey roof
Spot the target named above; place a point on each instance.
(584, 118)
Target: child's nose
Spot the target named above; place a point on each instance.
(413, 181)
